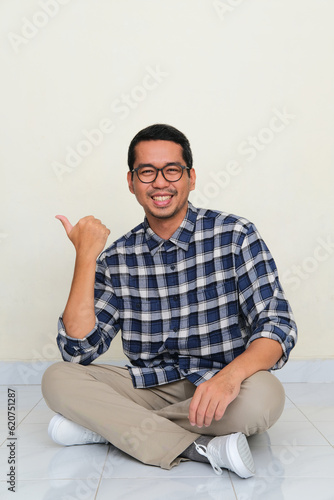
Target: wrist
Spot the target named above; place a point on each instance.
(234, 370)
(86, 257)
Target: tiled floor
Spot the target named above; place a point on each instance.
(294, 460)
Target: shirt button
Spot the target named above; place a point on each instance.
(175, 330)
(172, 268)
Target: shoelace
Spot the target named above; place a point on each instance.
(202, 450)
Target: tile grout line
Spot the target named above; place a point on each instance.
(21, 421)
(101, 476)
(310, 421)
(233, 488)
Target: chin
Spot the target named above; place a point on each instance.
(162, 213)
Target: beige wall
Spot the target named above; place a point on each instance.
(250, 83)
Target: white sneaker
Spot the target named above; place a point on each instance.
(65, 432)
(229, 452)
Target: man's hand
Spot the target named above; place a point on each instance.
(212, 397)
(88, 236)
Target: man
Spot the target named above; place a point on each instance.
(203, 318)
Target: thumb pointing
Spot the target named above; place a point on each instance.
(65, 222)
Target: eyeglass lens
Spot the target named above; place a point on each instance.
(170, 172)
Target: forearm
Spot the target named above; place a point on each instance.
(261, 354)
(88, 236)
(79, 314)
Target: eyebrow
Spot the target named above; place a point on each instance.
(166, 165)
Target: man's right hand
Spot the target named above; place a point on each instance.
(88, 236)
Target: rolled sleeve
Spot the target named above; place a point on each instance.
(262, 300)
(78, 350)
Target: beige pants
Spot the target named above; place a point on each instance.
(152, 424)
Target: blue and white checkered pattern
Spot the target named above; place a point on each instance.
(186, 306)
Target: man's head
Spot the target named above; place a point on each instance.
(161, 132)
(161, 175)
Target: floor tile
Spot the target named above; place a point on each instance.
(283, 433)
(53, 462)
(316, 401)
(291, 413)
(24, 398)
(327, 430)
(277, 488)
(294, 461)
(315, 393)
(120, 465)
(39, 414)
(33, 436)
(217, 488)
(61, 489)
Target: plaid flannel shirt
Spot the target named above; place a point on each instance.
(186, 306)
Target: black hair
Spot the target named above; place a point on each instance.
(161, 132)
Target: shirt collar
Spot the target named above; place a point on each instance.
(181, 237)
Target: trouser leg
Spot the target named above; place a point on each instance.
(102, 399)
(257, 407)
(152, 424)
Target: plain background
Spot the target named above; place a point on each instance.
(249, 82)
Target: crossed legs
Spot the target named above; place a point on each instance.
(152, 424)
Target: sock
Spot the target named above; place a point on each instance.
(193, 454)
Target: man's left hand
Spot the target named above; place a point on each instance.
(212, 397)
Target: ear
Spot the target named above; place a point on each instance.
(130, 182)
(192, 179)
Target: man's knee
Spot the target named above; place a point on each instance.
(266, 399)
(54, 380)
(257, 407)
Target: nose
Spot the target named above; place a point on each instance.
(160, 181)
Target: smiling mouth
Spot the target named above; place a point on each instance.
(162, 198)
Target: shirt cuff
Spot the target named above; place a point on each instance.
(84, 345)
(287, 344)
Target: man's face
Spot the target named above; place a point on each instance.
(161, 199)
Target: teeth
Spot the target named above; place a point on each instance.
(161, 198)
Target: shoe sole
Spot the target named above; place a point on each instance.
(240, 456)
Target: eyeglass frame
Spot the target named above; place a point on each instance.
(184, 167)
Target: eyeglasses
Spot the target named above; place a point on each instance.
(171, 172)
